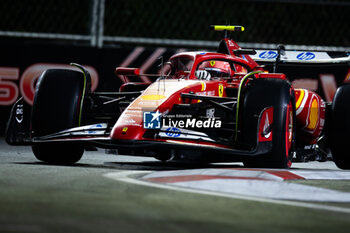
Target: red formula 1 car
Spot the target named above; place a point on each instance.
(204, 106)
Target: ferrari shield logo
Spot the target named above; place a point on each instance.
(125, 129)
(221, 90)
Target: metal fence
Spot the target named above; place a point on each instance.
(180, 23)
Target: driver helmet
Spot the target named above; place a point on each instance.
(216, 68)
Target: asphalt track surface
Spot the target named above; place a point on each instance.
(109, 193)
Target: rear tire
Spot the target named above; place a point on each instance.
(340, 127)
(58, 106)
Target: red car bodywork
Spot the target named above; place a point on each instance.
(310, 107)
(262, 118)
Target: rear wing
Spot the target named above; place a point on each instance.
(305, 57)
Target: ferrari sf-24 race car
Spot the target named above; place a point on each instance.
(204, 106)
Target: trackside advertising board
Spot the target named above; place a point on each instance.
(22, 62)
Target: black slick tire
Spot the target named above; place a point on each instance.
(57, 106)
(340, 127)
(261, 94)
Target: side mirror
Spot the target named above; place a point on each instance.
(127, 71)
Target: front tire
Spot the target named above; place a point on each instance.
(57, 106)
(276, 93)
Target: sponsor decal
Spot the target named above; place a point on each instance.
(268, 54)
(88, 130)
(206, 93)
(267, 125)
(192, 123)
(130, 121)
(154, 120)
(124, 130)
(221, 90)
(153, 97)
(173, 132)
(19, 113)
(151, 120)
(184, 134)
(212, 63)
(265, 128)
(306, 56)
(92, 129)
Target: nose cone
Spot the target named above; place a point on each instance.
(127, 132)
(147, 109)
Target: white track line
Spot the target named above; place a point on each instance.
(123, 176)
